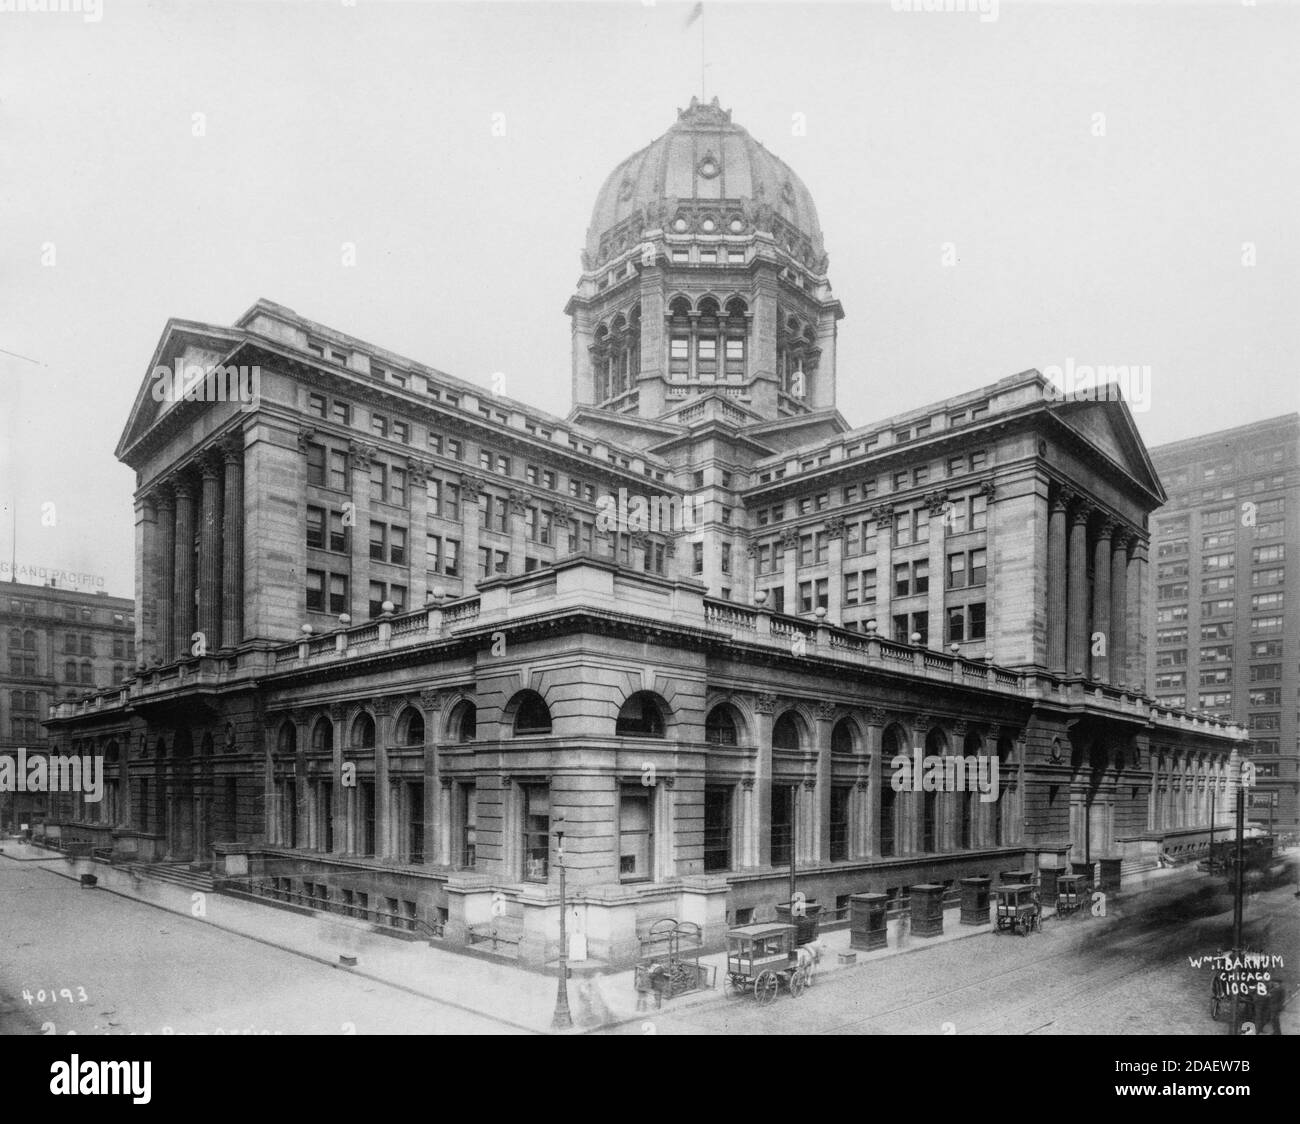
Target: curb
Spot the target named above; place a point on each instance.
(315, 957)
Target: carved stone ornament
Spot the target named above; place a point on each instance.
(789, 538)
(305, 434)
(765, 703)
(359, 455)
(835, 527)
(937, 501)
(432, 700)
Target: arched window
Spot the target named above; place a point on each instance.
(287, 742)
(844, 737)
(640, 717)
(735, 340)
(322, 736)
(87, 673)
(15, 638)
(206, 745)
(973, 747)
(720, 726)
(463, 726)
(785, 732)
(410, 727)
(532, 715)
(70, 671)
(363, 731)
(936, 745)
(29, 640)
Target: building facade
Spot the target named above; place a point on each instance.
(59, 644)
(395, 631)
(1225, 622)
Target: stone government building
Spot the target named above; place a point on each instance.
(422, 644)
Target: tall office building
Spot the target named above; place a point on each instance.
(1225, 620)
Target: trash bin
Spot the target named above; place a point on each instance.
(805, 922)
(89, 881)
(868, 915)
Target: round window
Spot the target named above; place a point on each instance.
(679, 225)
(708, 226)
(709, 167)
(736, 226)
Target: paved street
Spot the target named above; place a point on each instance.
(1127, 975)
(144, 970)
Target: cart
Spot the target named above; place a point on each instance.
(1072, 894)
(669, 964)
(762, 958)
(1018, 910)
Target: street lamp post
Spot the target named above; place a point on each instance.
(562, 1019)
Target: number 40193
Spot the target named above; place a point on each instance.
(53, 996)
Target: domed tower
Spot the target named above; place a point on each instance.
(704, 271)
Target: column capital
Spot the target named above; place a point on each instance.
(1063, 498)
(446, 781)
(417, 471)
(232, 448)
(960, 727)
(765, 703)
(835, 527)
(432, 700)
(881, 513)
(210, 464)
(1106, 527)
(790, 538)
(562, 511)
(937, 501)
(1081, 513)
(305, 435)
(359, 455)
(987, 489)
(382, 705)
(182, 487)
(338, 712)
(876, 716)
(519, 500)
(825, 711)
(470, 487)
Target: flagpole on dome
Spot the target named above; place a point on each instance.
(697, 14)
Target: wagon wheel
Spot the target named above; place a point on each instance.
(765, 986)
(797, 983)
(737, 985)
(1025, 922)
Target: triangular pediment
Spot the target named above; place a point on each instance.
(1107, 426)
(184, 345)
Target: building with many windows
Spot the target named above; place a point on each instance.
(394, 629)
(58, 644)
(1225, 621)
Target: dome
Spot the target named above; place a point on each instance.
(705, 175)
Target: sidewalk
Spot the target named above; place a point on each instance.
(519, 999)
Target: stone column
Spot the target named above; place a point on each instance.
(834, 581)
(232, 556)
(165, 611)
(471, 521)
(444, 821)
(431, 705)
(519, 502)
(270, 813)
(146, 578)
(183, 569)
(883, 516)
(870, 789)
(301, 790)
(790, 575)
(820, 836)
(1056, 581)
(1135, 672)
(210, 556)
(383, 708)
(758, 828)
(1076, 639)
(338, 796)
(562, 514)
(1101, 601)
(1119, 606)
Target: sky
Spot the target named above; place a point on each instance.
(1095, 183)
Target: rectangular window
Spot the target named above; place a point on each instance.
(402, 432)
(977, 621)
(956, 625)
(379, 425)
(316, 590)
(378, 482)
(338, 593)
(397, 545)
(717, 828)
(781, 807)
(697, 558)
(316, 405)
(338, 532)
(315, 526)
(341, 412)
(536, 802)
(377, 599)
(635, 838)
(839, 822)
(316, 464)
(338, 478)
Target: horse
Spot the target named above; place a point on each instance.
(809, 956)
